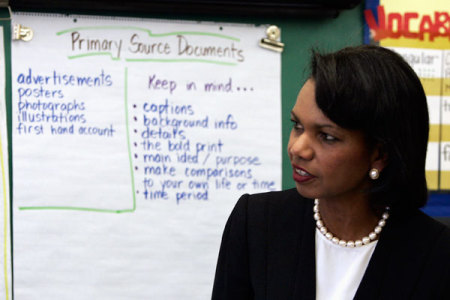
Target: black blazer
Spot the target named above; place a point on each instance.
(268, 252)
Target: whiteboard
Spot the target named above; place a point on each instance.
(132, 141)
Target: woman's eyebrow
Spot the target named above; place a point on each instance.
(318, 125)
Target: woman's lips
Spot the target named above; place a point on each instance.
(301, 175)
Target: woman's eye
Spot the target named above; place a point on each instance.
(296, 125)
(328, 138)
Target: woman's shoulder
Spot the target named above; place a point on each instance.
(431, 240)
(421, 237)
(287, 207)
(275, 200)
(276, 197)
(439, 230)
(426, 226)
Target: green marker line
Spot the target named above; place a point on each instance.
(128, 139)
(75, 208)
(93, 54)
(149, 32)
(171, 60)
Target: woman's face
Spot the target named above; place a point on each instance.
(329, 162)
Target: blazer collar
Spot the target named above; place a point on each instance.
(290, 263)
(397, 261)
(305, 279)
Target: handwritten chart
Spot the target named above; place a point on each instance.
(5, 242)
(133, 140)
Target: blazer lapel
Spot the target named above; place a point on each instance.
(398, 259)
(290, 251)
(304, 282)
(372, 281)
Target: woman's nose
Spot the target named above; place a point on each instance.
(301, 147)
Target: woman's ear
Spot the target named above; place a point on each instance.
(379, 157)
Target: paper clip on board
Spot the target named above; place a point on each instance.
(271, 41)
(23, 33)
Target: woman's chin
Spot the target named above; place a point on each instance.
(304, 192)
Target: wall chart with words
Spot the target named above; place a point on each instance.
(132, 141)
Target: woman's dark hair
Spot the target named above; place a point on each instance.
(374, 90)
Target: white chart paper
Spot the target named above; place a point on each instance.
(133, 140)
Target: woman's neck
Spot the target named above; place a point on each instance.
(348, 219)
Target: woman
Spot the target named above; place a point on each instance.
(352, 228)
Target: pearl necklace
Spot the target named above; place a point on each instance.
(358, 243)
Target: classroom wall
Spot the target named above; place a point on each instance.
(300, 35)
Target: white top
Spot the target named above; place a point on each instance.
(339, 270)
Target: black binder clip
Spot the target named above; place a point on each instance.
(271, 42)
